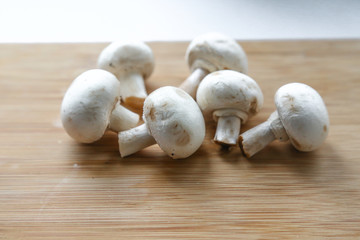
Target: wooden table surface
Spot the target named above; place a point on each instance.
(54, 188)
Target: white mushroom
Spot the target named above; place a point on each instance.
(172, 119)
(301, 117)
(231, 97)
(209, 53)
(91, 106)
(131, 63)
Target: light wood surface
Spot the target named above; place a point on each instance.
(54, 188)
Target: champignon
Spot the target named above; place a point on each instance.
(91, 106)
(173, 120)
(209, 53)
(131, 63)
(301, 117)
(231, 97)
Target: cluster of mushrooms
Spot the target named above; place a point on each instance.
(172, 118)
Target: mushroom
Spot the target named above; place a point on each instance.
(91, 106)
(301, 117)
(231, 97)
(131, 63)
(172, 119)
(209, 53)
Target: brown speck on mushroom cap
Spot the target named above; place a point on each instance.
(152, 114)
(183, 137)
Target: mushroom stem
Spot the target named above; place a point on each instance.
(134, 140)
(122, 119)
(227, 130)
(133, 91)
(260, 136)
(191, 84)
(255, 139)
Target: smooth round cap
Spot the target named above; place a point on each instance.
(303, 114)
(88, 103)
(121, 58)
(175, 121)
(227, 89)
(214, 51)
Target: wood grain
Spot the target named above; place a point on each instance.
(54, 188)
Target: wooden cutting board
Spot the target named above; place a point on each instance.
(52, 187)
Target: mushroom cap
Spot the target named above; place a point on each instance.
(214, 51)
(303, 114)
(88, 103)
(227, 89)
(121, 58)
(175, 121)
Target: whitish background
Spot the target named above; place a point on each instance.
(161, 20)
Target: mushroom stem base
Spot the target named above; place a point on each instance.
(191, 84)
(227, 131)
(255, 139)
(134, 140)
(122, 119)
